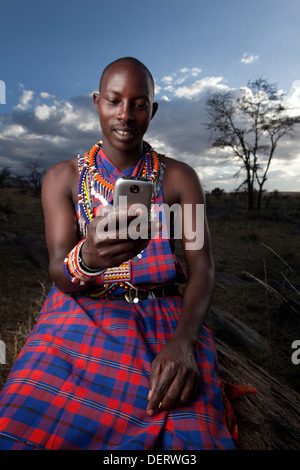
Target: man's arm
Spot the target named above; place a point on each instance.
(199, 262)
(175, 376)
(61, 228)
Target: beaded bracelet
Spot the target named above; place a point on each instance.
(75, 268)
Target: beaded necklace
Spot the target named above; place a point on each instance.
(95, 189)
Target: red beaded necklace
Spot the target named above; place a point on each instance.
(92, 184)
(92, 155)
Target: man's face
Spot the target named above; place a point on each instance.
(125, 106)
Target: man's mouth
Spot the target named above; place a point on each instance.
(124, 132)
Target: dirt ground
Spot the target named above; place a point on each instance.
(251, 251)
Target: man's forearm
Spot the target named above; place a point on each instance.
(196, 304)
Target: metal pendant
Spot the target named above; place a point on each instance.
(132, 294)
(130, 299)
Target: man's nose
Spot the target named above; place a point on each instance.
(126, 112)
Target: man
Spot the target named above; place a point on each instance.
(163, 396)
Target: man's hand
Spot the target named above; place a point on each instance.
(110, 240)
(174, 378)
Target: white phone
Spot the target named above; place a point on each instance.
(133, 190)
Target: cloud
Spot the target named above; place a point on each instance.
(45, 95)
(54, 130)
(182, 84)
(292, 100)
(198, 87)
(249, 58)
(178, 131)
(25, 99)
(167, 79)
(43, 112)
(171, 82)
(51, 129)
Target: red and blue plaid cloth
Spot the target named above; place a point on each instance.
(82, 379)
(158, 263)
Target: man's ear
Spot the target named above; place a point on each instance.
(96, 98)
(154, 109)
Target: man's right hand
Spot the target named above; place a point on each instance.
(113, 237)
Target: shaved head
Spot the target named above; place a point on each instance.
(129, 60)
(125, 107)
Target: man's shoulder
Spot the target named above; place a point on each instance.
(62, 173)
(63, 169)
(177, 167)
(179, 180)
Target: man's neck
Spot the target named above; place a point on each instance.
(123, 159)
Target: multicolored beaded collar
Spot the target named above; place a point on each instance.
(95, 189)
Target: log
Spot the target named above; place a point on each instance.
(236, 333)
(268, 420)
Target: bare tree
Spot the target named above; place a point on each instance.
(248, 125)
(5, 177)
(35, 176)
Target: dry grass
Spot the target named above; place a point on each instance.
(261, 255)
(250, 250)
(24, 281)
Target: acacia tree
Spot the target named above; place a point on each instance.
(247, 125)
(35, 176)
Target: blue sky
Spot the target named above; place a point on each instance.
(52, 54)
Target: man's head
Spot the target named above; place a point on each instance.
(127, 60)
(125, 105)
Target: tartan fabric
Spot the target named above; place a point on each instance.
(230, 393)
(82, 380)
(158, 263)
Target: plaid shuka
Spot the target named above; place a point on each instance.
(82, 379)
(157, 264)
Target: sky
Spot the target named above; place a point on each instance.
(52, 53)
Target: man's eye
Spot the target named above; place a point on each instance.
(142, 105)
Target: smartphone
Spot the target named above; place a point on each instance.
(133, 190)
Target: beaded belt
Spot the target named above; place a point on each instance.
(134, 294)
